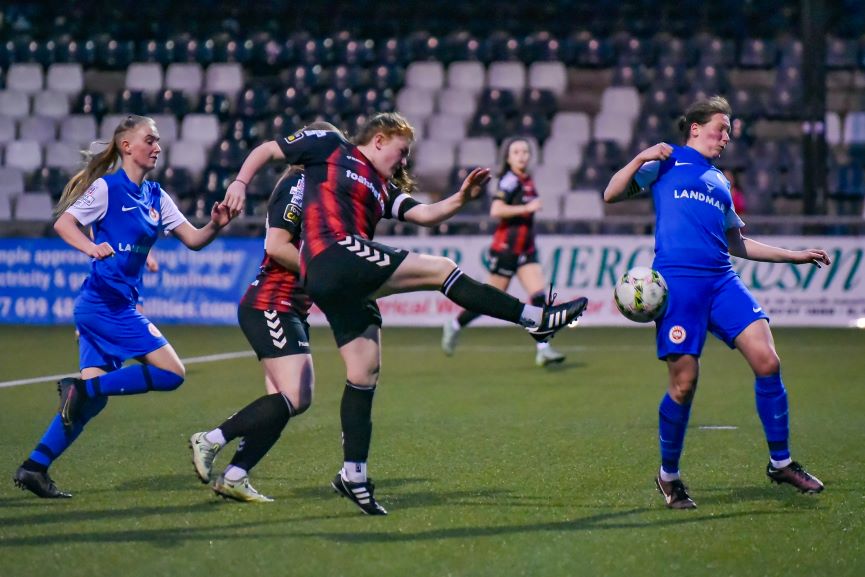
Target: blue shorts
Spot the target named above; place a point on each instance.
(112, 333)
(721, 305)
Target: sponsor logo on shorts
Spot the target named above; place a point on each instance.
(303, 343)
(677, 335)
(151, 328)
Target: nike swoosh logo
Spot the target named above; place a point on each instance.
(781, 415)
(682, 163)
(128, 208)
(757, 309)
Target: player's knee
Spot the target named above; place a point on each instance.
(443, 267)
(682, 390)
(767, 364)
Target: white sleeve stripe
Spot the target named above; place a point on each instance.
(394, 211)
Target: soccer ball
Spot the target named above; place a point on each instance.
(641, 294)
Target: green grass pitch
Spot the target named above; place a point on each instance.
(487, 464)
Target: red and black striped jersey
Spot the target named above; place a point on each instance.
(517, 234)
(276, 288)
(345, 195)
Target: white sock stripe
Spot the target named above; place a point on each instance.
(452, 277)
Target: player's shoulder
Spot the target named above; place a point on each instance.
(509, 182)
(323, 137)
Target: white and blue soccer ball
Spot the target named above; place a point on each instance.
(641, 294)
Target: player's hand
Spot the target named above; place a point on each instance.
(660, 151)
(474, 184)
(220, 214)
(235, 198)
(101, 251)
(816, 256)
(151, 264)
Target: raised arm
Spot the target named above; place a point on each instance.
(438, 212)
(744, 247)
(622, 185)
(235, 194)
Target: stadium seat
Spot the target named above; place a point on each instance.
(24, 154)
(51, 104)
(14, 104)
(109, 123)
(131, 102)
(841, 53)
(11, 181)
(177, 181)
(51, 180)
(790, 52)
(540, 101)
(35, 206)
(621, 100)
(188, 154)
(457, 102)
(551, 178)
(8, 130)
(833, 128)
(416, 102)
(67, 78)
(426, 75)
(5, 207)
(228, 154)
(715, 51)
(144, 77)
(41, 129)
(610, 125)
(571, 126)
(445, 127)
(590, 177)
(170, 102)
(854, 128)
(432, 163)
(562, 153)
(25, 77)
(492, 124)
(497, 100)
(214, 104)
(466, 75)
(91, 103)
(604, 154)
(64, 155)
(507, 76)
(224, 78)
(550, 76)
(184, 77)
(532, 124)
(477, 151)
(583, 204)
(80, 128)
(202, 128)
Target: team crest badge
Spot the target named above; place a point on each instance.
(677, 335)
(151, 328)
(154, 214)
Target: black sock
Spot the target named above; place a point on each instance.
(256, 415)
(355, 412)
(31, 465)
(272, 412)
(539, 299)
(481, 298)
(466, 317)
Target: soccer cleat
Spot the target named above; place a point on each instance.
(203, 454)
(71, 399)
(796, 475)
(548, 356)
(361, 494)
(239, 490)
(675, 494)
(556, 317)
(39, 483)
(449, 338)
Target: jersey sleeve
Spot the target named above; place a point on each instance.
(398, 203)
(92, 205)
(287, 208)
(171, 215)
(509, 188)
(732, 220)
(308, 146)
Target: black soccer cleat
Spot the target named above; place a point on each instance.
(361, 494)
(796, 475)
(71, 399)
(675, 494)
(39, 483)
(557, 317)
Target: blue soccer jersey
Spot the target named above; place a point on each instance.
(129, 218)
(693, 210)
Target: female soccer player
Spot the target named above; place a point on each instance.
(349, 188)
(126, 214)
(513, 248)
(697, 230)
(272, 315)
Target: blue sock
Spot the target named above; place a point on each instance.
(672, 424)
(774, 413)
(56, 439)
(133, 380)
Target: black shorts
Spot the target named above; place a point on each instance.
(506, 264)
(343, 277)
(274, 334)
